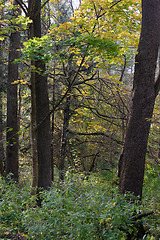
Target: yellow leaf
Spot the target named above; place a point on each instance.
(72, 18)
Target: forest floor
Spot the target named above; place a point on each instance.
(81, 209)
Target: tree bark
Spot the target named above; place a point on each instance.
(43, 129)
(142, 104)
(12, 105)
(39, 81)
(1, 114)
(1, 139)
(33, 134)
(33, 112)
(64, 138)
(52, 132)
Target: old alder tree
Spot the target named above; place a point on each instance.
(145, 90)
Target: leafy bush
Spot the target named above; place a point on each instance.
(14, 199)
(80, 210)
(76, 209)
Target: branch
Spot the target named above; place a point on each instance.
(91, 155)
(44, 4)
(115, 4)
(23, 6)
(85, 80)
(110, 8)
(139, 216)
(68, 90)
(123, 70)
(95, 134)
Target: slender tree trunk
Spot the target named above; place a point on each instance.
(67, 116)
(1, 138)
(12, 106)
(135, 146)
(64, 138)
(33, 113)
(52, 133)
(33, 134)
(2, 156)
(1, 115)
(41, 104)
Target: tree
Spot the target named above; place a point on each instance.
(142, 104)
(12, 103)
(39, 84)
(1, 114)
(86, 37)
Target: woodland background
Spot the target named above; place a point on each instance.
(66, 84)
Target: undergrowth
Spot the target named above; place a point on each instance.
(80, 209)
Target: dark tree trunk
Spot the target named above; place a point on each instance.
(1, 114)
(33, 112)
(2, 154)
(1, 138)
(52, 133)
(64, 138)
(33, 134)
(43, 133)
(12, 105)
(43, 130)
(143, 99)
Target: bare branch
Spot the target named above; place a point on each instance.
(95, 134)
(23, 6)
(109, 8)
(42, 6)
(85, 80)
(115, 4)
(123, 69)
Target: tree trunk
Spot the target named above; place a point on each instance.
(33, 133)
(1, 115)
(1, 138)
(43, 129)
(142, 104)
(64, 138)
(41, 104)
(52, 133)
(33, 113)
(12, 106)
(2, 154)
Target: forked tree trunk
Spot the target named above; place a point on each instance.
(143, 99)
(12, 105)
